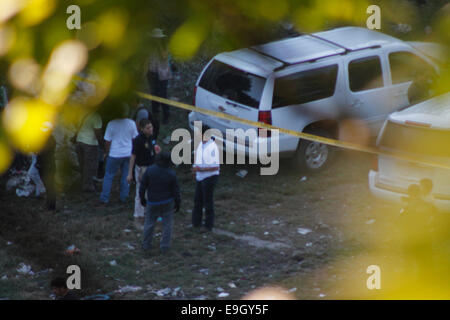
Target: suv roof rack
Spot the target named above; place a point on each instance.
(287, 64)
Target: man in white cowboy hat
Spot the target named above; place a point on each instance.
(159, 72)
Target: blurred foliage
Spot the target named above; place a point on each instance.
(40, 57)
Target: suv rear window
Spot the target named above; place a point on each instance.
(365, 74)
(305, 86)
(233, 84)
(416, 140)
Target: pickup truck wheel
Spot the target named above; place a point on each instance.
(313, 156)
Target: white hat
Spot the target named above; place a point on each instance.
(46, 126)
(158, 33)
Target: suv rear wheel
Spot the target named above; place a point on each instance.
(311, 155)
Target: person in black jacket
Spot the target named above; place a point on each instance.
(163, 198)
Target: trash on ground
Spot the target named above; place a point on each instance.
(25, 269)
(18, 178)
(370, 221)
(127, 289)
(9, 243)
(309, 244)
(321, 295)
(223, 295)
(5, 277)
(25, 190)
(127, 230)
(175, 291)
(204, 271)
(232, 285)
(129, 246)
(72, 250)
(266, 233)
(292, 290)
(303, 179)
(275, 222)
(113, 263)
(220, 289)
(242, 173)
(163, 292)
(303, 231)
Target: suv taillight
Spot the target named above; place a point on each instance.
(195, 94)
(375, 163)
(265, 117)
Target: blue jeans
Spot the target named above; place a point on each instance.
(152, 212)
(112, 166)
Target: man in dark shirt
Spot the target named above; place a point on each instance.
(163, 196)
(142, 156)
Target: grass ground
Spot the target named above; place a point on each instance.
(268, 208)
(257, 242)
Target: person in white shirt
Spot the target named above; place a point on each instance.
(206, 169)
(119, 137)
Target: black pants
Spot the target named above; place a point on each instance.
(158, 88)
(46, 168)
(204, 198)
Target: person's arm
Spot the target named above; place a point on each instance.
(108, 139)
(130, 168)
(107, 147)
(98, 135)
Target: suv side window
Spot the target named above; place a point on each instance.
(406, 65)
(305, 86)
(365, 74)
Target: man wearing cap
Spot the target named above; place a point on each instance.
(159, 73)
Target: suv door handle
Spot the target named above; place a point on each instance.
(356, 103)
(237, 105)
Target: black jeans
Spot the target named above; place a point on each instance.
(158, 88)
(204, 198)
(46, 168)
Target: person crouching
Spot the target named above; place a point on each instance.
(163, 199)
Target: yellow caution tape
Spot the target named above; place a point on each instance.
(302, 135)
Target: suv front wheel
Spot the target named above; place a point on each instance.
(311, 155)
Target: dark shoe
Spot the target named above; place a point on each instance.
(101, 204)
(164, 250)
(147, 253)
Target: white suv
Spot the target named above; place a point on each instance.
(422, 133)
(309, 84)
